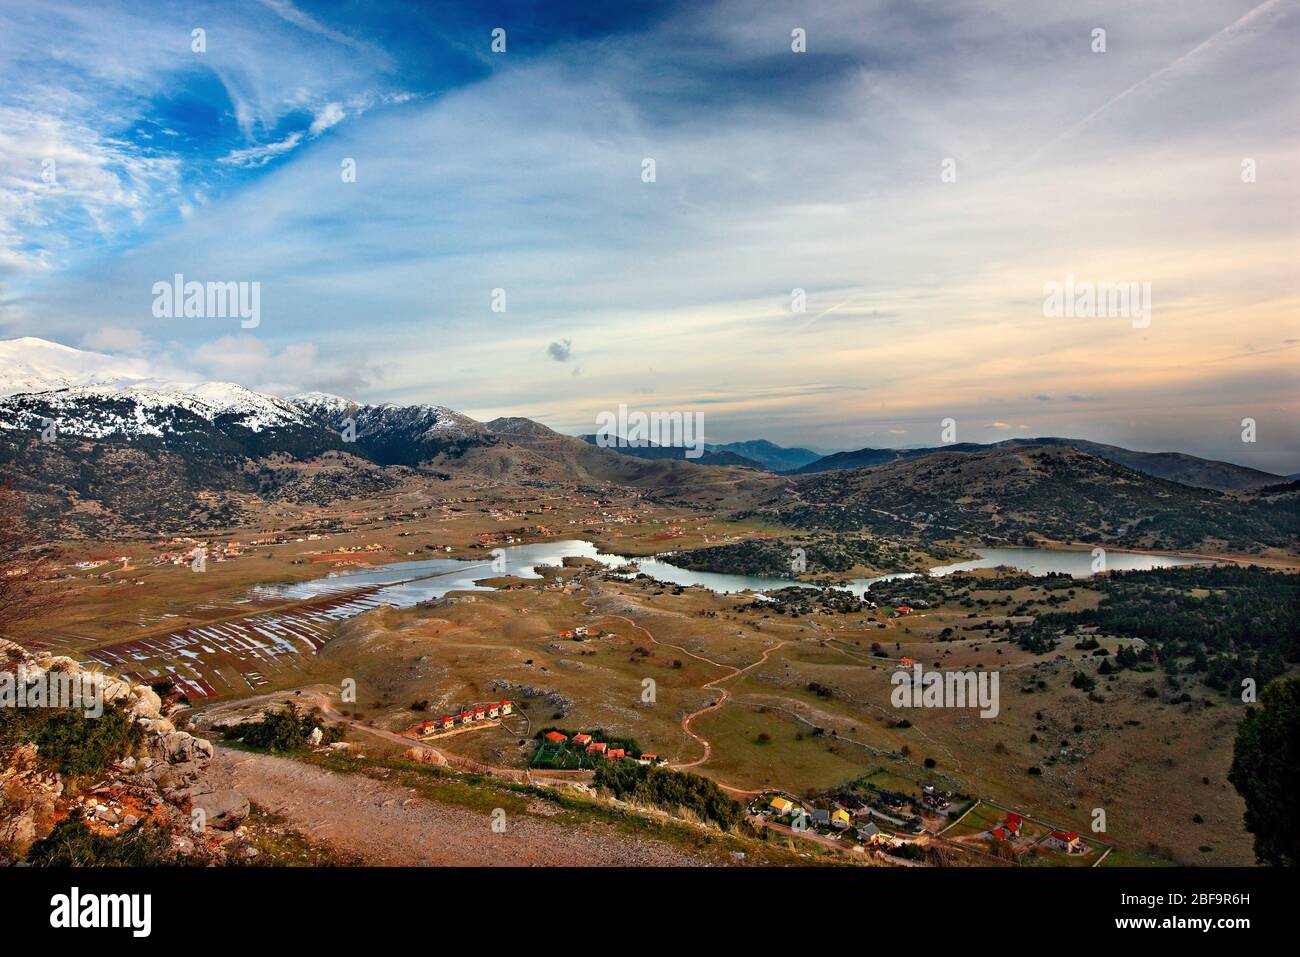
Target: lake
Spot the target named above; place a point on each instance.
(408, 583)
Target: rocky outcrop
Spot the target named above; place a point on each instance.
(162, 782)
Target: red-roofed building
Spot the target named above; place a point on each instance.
(597, 747)
(1068, 841)
(506, 707)
(466, 717)
(447, 723)
(614, 754)
(999, 834)
(556, 736)
(479, 714)
(582, 740)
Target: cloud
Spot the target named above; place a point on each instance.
(527, 176)
(328, 115)
(116, 340)
(255, 156)
(65, 180)
(295, 367)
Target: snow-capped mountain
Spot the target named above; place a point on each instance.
(394, 434)
(103, 397)
(38, 365)
(73, 381)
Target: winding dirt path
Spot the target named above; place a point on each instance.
(722, 699)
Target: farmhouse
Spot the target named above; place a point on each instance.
(1068, 841)
(868, 833)
(782, 806)
(840, 819)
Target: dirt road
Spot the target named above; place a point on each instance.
(385, 823)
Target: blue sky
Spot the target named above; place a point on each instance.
(775, 170)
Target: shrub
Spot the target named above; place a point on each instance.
(281, 731)
(69, 742)
(670, 790)
(73, 844)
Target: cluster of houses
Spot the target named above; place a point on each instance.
(1012, 827)
(839, 817)
(353, 549)
(1009, 829)
(935, 799)
(213, 552)
(467, 718)
(601, 749)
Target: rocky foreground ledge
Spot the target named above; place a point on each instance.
(158, 781)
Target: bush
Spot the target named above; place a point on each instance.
(73, 844)
(669, 790)
(281, 731)
(69, 742)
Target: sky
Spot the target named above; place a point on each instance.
(840, 246)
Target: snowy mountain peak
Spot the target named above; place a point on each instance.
(30, 364)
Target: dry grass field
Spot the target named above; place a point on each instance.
(749, 698)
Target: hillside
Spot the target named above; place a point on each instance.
(648, 450)
(1174, 466)
(1022, 494)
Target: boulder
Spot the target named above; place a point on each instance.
(224, 809)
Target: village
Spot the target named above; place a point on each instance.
(882, 821)
(481, 716)
(563, 750)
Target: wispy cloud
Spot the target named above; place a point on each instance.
(775, 171)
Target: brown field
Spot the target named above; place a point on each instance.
(1150, 765)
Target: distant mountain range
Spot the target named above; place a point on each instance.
(754, 454)
(1025, 493)
(1174, 466)
(131, 451)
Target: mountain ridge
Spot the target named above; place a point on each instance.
(1174, 466)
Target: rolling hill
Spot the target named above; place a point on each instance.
(1025, 493)
(1174, 466)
